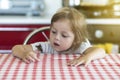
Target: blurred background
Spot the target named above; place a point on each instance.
(19, 17)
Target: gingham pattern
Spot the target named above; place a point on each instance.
(54, 67)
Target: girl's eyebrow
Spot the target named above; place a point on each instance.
(53, 27)
(65, 32)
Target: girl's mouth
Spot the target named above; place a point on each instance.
(56, 44)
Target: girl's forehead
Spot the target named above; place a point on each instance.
(62, 24)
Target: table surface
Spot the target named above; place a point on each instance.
(53, 67)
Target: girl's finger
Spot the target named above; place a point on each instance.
(71, 62)
(76, 62)
(34, 56)
(87, 62)
(26, 60)
(30, 58)
(79, 62)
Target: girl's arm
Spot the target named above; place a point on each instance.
(25, 52)
(90, 54)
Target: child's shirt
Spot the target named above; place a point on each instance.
(47, 48)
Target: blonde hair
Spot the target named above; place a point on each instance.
(77, 22)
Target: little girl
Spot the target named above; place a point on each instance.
(68, 34)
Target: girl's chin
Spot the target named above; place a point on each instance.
(58, 50)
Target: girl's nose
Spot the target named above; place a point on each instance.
(57, 37)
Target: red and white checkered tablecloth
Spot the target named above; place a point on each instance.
(54, 67)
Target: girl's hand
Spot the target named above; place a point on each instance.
(80, 60)
(30, 57)
(89, 55)
(25, 53)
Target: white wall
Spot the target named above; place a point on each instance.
(52, 6)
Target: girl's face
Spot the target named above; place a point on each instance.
(61, 36)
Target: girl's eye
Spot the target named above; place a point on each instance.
(53, 31)
(65, 36)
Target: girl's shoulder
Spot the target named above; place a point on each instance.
(83, 46)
